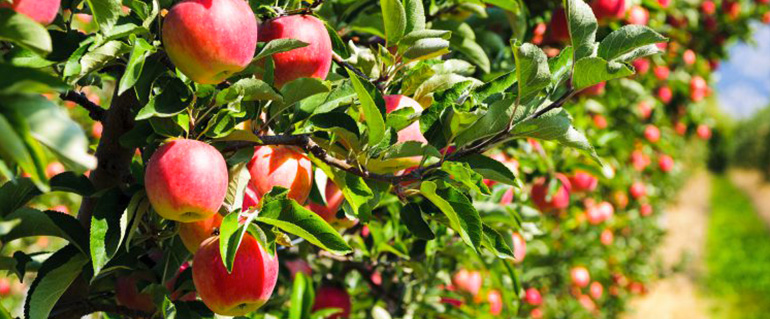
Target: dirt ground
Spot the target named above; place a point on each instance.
(677, 296)
(752, 183)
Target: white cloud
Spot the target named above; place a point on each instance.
(742, 100)
(753, 60)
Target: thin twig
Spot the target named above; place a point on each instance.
(95, 111)
(338, 59)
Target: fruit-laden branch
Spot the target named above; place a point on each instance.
(95, 111)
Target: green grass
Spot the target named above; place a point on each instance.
(737, 255)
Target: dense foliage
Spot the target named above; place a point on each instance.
(520, 177)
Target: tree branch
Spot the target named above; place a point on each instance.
(338, 59)
(95, 111)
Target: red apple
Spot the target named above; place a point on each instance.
(708, 7)
(558, 26)
(519, 248)
(186, 180)
(495, 300)
(638, 190)
(689, 57)
(467, 280)
(594, 90)
(642, 65)
(411, 132)
(96, 130)
(283, 166)
(596, 290)
(42, 11)
(532, 296)
(127, 293)
(193, 234)
(548, 202)
(645, 109)
(579, 276)
(210, 40)
(312, 61)
(298, 266)
(639, 160)
(538, 33)
(661, 72)
(246, 288)
(53, 169)
(333, 297)
(583, 182)
(607, 9)
(587, 302)
(731, 8)
(665, 94)
(680, 128)
(698, 88)
(536, 313)
(329, 211)
(250, 198)
(765, 19)
(606, 237)
(703, 131)
(666, 163)
(638, 15)
(620, 199)
(664, 3)
(5, 287)
(599, 121)
(645, 210)
(652, 133)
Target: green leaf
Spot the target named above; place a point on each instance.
(410, 38)
(17, 79)
(427, 48)
(302, 88)
(50, 126)
(108, 228)
(250, 89)
(372, 114)
(394, 17)
(278, 46)
(555, 125)
(236, 186)
(561, 66)
(409, 149)
(302, 297)
(411, 216)
(292, 218)
(594, 70)
(105, 12)
(230, 236)
(582, 28)
(54, 277)
(339, 123)
(496, 86)
(495, 120)
(463, 173)
(141, 50)
(496, 243)
(15, 194)
(490, 168)
(463, 218)
(173, 98)
(627, 39)
(73, 183)
(101, 56)
(32, 222)
(415, 16)
(531, 70)
(24, 31)
(637, 53)
(13, 150)
(472, 51)
(22, 57)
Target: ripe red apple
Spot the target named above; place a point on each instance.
(661, 72)
(642, 65)
(666, 163)
(519, 248)
(312, 61)
(680, 128)
(579, 276)
(765, 19)
(732, 8)
(583, 182)
(596, 290)
(532, 296)
(600, 213)
(246, 288)
(5, 287)
(703, 131)
(186, 180)
(638, 15)
(664, 3)
(127, 293)
(638, 190)
(42, 11)
(495, 300)
(608, 9)
(708, 7)
(665, 94)
(333, 297)
(558, 26)
(645, 109)
(283, 166)
(645, 210)
(210, 40)
(556, 201)
(298, 266)
(652, 133)
(250, 198)
(53, 169)
(620, 199)
(468, 280)
(606, 237)
(689, 57)
(599, 121)
(698, 88)
(536, 313)
(96, 130)
(594, 90)
(538, 33)
(411, 132)
(193, 234)
(329, 211)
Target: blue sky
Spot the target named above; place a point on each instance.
(743, 84)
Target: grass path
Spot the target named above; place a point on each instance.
(686, 221)
(752, 183)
